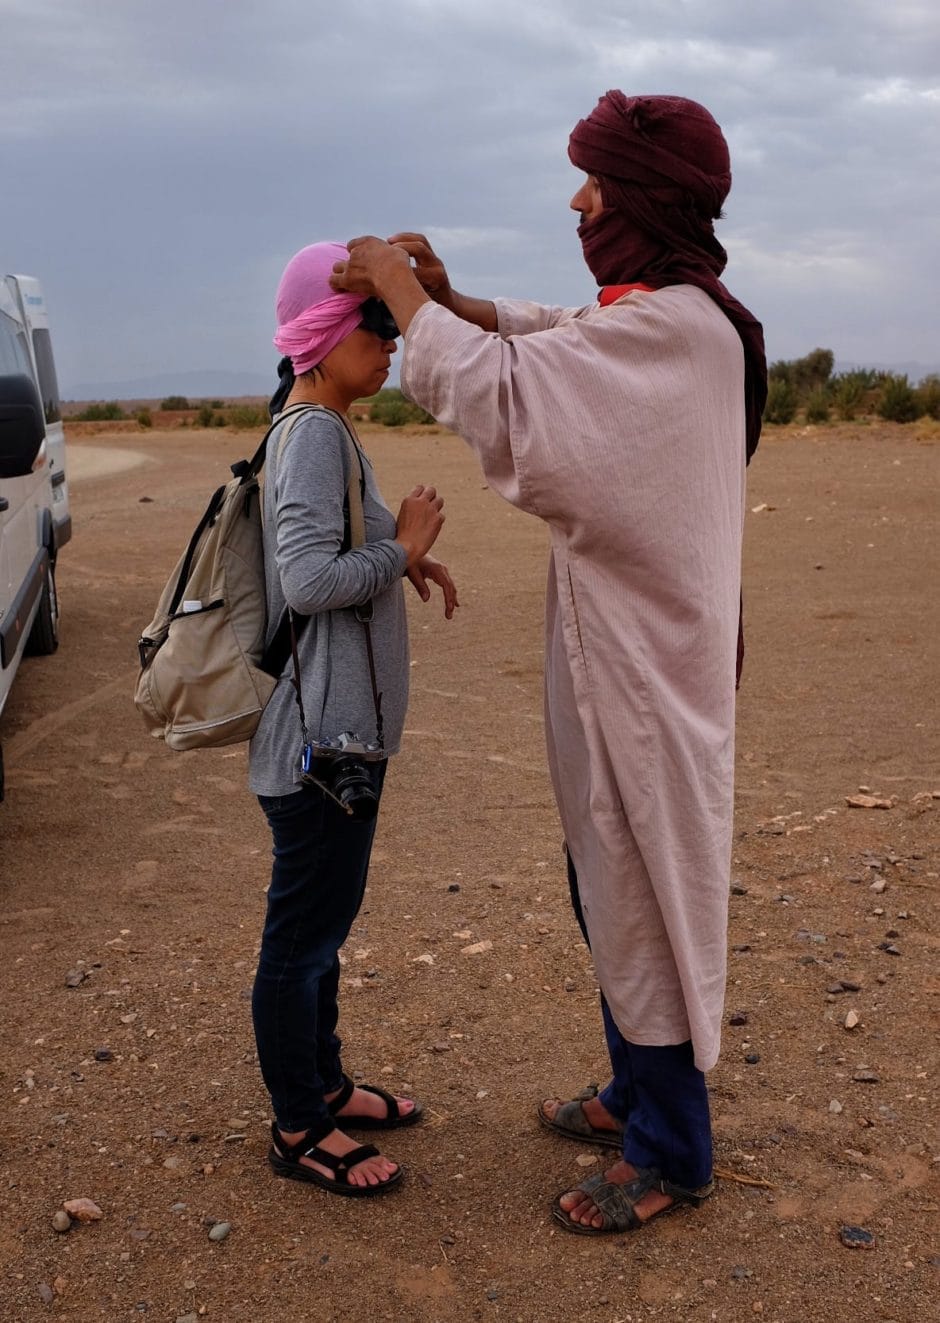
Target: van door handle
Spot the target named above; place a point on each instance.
(4, 504)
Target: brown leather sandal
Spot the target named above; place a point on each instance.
(617, 1203)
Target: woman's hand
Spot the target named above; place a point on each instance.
(420, 519)
(427, 266)
(429, 568)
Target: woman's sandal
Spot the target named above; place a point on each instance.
(394, 1118)
(285, 1159)
(617, 1203)
(571, 1122)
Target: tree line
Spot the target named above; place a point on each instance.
(808, 386)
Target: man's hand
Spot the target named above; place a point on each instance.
(427, 266)
(429, 568)
(381, 270)
(371, 263)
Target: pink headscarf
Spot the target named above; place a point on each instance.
(312, 318)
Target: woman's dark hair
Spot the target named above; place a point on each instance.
(286, 379)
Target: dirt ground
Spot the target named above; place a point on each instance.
(141, 873)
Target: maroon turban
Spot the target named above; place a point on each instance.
(663, 168)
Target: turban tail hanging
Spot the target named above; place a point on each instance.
(664, 171)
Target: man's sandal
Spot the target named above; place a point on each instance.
(394, 1118)
(285, 1160)
(617, 1203)
(570, 1122)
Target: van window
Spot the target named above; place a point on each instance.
(48, 385)
(14, 356)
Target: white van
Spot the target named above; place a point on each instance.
(34, 506)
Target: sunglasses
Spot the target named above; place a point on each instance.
(377, 319)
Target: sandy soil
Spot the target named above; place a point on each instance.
(142, 873)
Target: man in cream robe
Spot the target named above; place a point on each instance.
(624, 425)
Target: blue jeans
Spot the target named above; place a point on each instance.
(658, 1095)
(321, 860)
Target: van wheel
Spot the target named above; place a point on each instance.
(44, 635)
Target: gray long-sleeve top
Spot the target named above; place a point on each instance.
(305, 567)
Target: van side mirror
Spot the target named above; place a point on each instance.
(22, 430)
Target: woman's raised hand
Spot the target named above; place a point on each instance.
(420, 519)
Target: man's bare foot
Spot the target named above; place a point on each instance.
(594, 1111)
(363, 1103)
(371, 1171)
(581, 1208)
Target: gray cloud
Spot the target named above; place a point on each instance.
(162, 162)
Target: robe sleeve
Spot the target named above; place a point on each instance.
(470, 380)
(520, 317)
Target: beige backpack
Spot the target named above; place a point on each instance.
(205, 674)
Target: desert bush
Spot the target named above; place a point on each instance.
(390, 413)
(393, 409)
(247, 415)
(848, 393)
(781, 401)
(174, 402)
(207, 417)
(101, 413)
(804, 375)
(145, 418)
(898, 403)
(928, 396)
(216, 404)
(817, 406)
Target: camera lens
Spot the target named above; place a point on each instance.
(352, 786)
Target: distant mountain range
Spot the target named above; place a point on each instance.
(226, 385)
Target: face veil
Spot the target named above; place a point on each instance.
(664, 172)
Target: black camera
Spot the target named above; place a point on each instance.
(339, 768)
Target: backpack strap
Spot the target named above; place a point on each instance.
(278, 650)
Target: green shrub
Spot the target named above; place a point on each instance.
(928, 396)
(219, 419)
(216, 404)
(101, 413)
(204, 417)
(246, 415)
(145, 418)
(393, 409)
(848, 393)
(390, 413)
(781, 401)
(898, 403)
(174, 402)
(817, 407)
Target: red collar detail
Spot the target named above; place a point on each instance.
(611, 293)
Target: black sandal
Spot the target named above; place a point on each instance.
(285, 1160)
(394, 1118)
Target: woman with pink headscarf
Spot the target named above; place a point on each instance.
(318, 760)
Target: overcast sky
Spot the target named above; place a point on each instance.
(161, 161)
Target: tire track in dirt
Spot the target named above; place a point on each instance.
(15, 748)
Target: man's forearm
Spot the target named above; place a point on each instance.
(481, 312)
